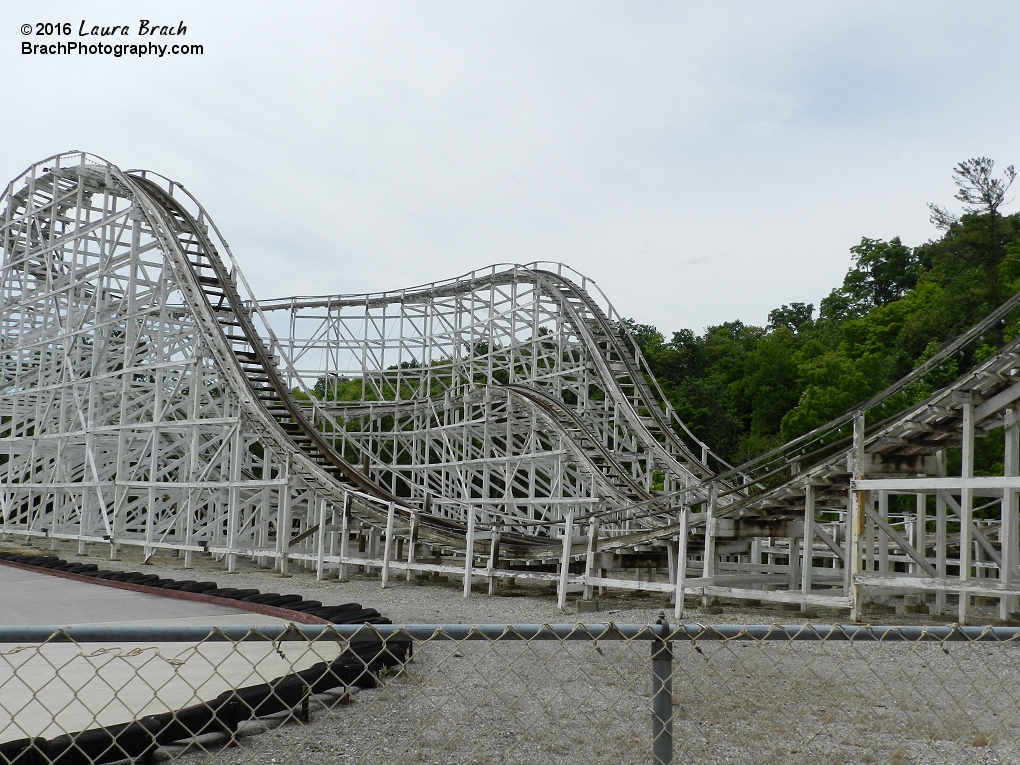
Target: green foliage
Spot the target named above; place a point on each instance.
(333, 388)
(746, 389)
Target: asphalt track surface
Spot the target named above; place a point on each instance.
(62, 687)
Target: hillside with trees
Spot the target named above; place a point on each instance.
(745, 389)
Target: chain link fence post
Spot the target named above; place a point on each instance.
(662, 695)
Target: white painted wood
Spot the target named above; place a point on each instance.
(412, 540)
(979, 485)
(568, 531)
(966, 510)
(388, 545)
(469, 552)
(1009, 534)
(809, 540)
(345, 538)
(709, 557)
(320, 542)
(589, 561)
(855, 520)
(681, 564)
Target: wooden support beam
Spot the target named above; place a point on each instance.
(681, 563)
(568, 531)
(708, 562)
(966, 509)
(345, 536)
(809, 541)
(855, 522)
(469, 552)
(1010, 522)
(999, 401)
(387, 545)
(900, 540)
(589, 561)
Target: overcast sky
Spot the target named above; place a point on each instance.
(702, 161)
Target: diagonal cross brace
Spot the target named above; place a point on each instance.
(901, 541)
(979, 535)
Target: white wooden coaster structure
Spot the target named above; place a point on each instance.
(501, 425)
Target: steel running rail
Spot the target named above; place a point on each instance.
(251, 365)
(620, 364)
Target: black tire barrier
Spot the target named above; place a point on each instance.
(117, 576)
(304, 605)
(285, 601)
(260, 597)
(360, 666)
(321, 612)
(78, 568)
(346, 613)
(272, 599)
(133, 577)
(223, 592)
(198, 587)
(241, 594)
(354, 617)
(48, 561)
(178, 584)
(332, 614)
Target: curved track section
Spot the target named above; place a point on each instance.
(148, 400)
(140, 403)
(494, 424)
(444, 390)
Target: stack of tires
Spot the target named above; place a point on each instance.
(360, 665)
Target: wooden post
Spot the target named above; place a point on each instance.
(493, 557)
(809, 543)
(883, 537)
(345, 537)
(966, 511)
(469, 552)
(568, 532)
(1010, 523)
(411, 542)
(233, 498)
(333, 518)
(868, 540)
(920, 529)
(794, 561)
(755, 557)
(855, 522)
(681, 563)
(320, 552)
(941, 535)
(388, 545)
(283, 530)
(589, 561)
(708, 563)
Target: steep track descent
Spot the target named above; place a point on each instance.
(146, 398)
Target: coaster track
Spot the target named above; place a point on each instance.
(505, 419)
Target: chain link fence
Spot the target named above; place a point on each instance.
(584, 693)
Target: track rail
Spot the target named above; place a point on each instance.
(146, 398)
(250, 355)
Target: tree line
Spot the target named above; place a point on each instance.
(745, 389)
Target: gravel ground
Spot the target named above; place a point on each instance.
(442, 602)
(736, 702)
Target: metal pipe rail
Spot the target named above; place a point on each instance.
(15, 634)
